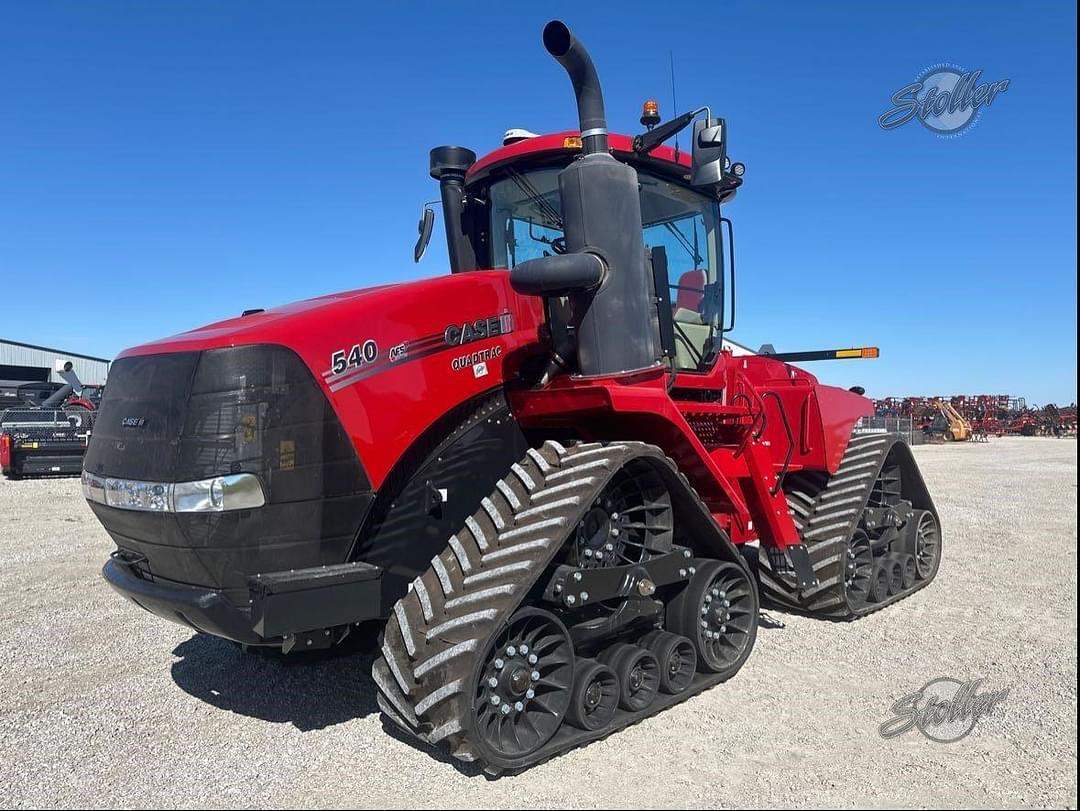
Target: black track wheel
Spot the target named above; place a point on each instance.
(927, 544)
(909, 571)
(879, 582)
(523, 685)
(595, 696)
(858, 569)
(896, 574)
(638, 673)
(677, 658)
(718, 613)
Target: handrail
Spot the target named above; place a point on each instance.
(790, 440)
(755, 431)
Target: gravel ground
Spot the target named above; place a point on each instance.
(104, 705)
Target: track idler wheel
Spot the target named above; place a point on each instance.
(717, 612)
(524, 685)
(638, 673)
(858, 569)
(879, 582)
(896, 574)
(909, 570)
(677, 657)
(927, 544)
(595, 696)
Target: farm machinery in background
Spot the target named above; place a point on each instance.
(45, 428)
(984, 415)
(543, 475)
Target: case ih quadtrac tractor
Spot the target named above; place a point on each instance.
(543, 474)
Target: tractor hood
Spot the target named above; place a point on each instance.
(306, 407)
(389, 360)
(263, 326)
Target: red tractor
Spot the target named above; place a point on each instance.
(544, 473)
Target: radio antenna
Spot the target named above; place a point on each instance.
(674, 105)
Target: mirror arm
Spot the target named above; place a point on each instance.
(648, 141)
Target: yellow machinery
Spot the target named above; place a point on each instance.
(953, 426)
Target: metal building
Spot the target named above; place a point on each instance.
(20, 361)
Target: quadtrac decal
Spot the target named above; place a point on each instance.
(477, 360)
(366, 358)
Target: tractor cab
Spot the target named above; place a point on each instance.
(509, 208)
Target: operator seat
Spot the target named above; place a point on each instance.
(690, 291)
(691, 331)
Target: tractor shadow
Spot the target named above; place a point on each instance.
(308, 690)
(311, 691)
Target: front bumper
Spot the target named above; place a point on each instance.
(202, 609)
(311, 606)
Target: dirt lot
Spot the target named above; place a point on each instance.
(102, 704)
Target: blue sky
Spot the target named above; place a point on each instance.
(166, 164)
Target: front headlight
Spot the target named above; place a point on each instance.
(238, 491)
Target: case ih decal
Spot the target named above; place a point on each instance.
(479, 329)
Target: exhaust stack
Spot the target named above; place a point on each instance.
(604, 270)
(571, 54)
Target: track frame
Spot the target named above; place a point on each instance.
(828, 510)
(434, 642)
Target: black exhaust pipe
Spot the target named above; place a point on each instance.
(604, 271)
(448, 166)
(571, 54)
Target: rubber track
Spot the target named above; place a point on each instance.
(444, 624)
(827, 512)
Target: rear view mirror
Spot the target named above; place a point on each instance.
(709, 152)
(427, 222)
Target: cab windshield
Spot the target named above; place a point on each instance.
(526, 224)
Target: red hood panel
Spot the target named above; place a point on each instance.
(268, 326)
(394, 359)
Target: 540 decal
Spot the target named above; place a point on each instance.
(360, 355)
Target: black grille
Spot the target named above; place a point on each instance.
(147, 394)
(252, 409)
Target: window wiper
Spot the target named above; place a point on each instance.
(690, 249)
(537, 199)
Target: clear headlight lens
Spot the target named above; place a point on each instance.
(238, 491)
